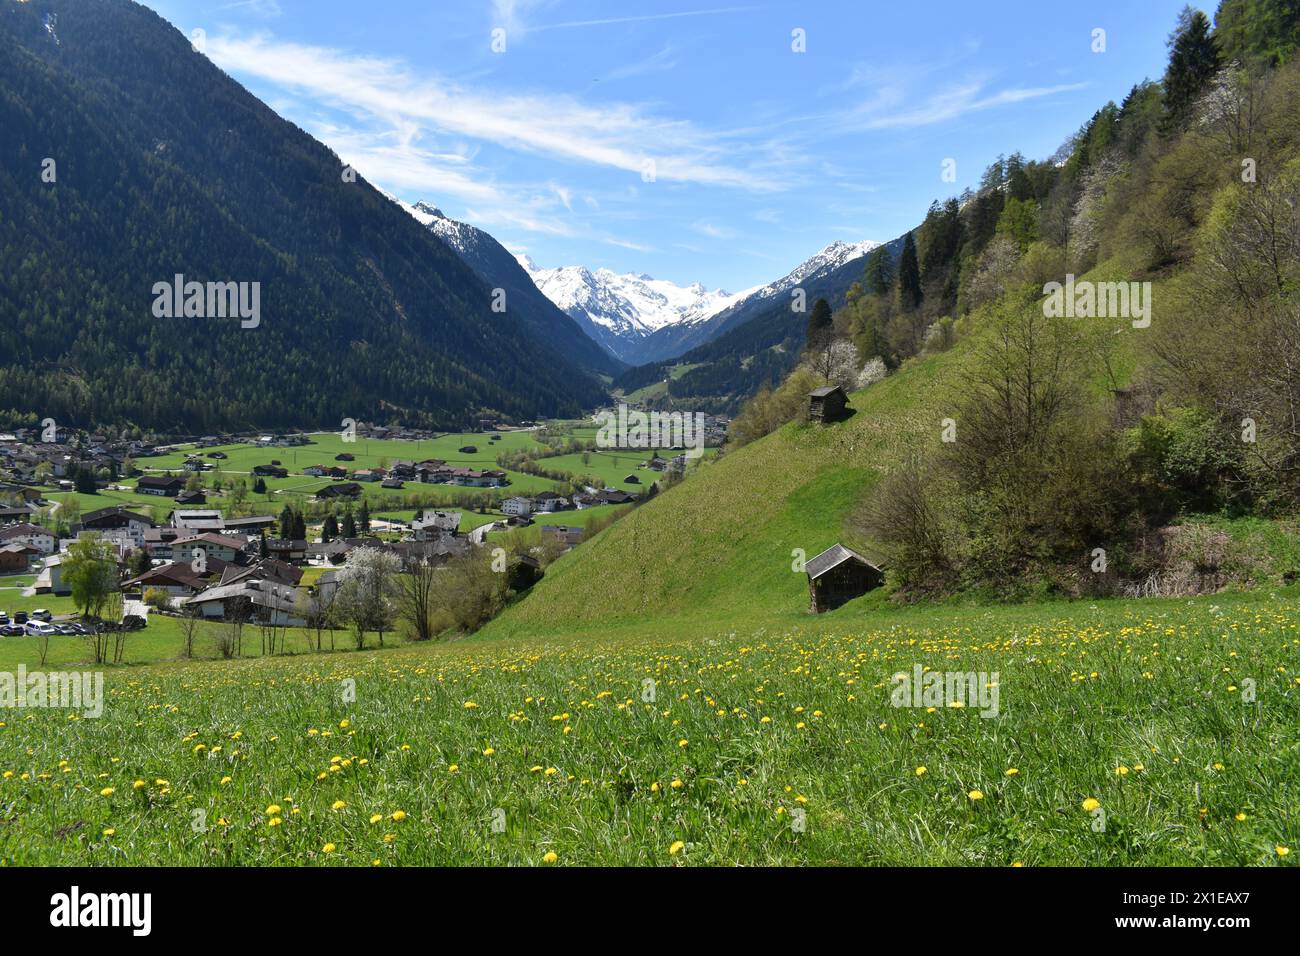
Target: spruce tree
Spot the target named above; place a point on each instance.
(1193, 61)
(879, 272)
(820, 325)
(330, 530)
(909, 275)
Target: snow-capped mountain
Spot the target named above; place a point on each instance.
(498, 269)
(642, 320)
(832, 257)
(827, 273)
(621, 311)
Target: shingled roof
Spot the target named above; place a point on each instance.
(833, 557)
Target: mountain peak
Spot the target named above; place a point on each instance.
(428, 209)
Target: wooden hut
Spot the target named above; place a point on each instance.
(827, 404)
(838, 575)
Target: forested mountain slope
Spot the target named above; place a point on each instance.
(161, 165)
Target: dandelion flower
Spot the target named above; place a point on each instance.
(107, 792)
(329, 848)
(976, 795)
(676, 848)
(550, 857)
(920, 771)
(1090, 804)
(337, 805)
(398, 816)
(1011, 772)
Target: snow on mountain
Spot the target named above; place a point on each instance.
(832, 257)
(630, 304)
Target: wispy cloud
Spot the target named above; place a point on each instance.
(951, 102)
(641, 18)
(665, 59)
(621, 136)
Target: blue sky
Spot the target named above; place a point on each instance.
(761, 155)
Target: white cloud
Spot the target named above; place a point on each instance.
(619, 136)
(949, 103)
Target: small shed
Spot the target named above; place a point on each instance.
(839, 575)
(827, 404)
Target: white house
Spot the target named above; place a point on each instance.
(39, 538)
(517, 506)
(436, 524)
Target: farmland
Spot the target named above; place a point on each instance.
(762, 746)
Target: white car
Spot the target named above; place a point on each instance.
(40, 614)
(40, 629)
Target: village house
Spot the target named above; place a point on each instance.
(197, 520)
(29, 534)
(250, 524)
(158, 542)
(517, 506)
(433, 525)
(164, 486)
(17, 558)
(177, 579)
(347, 489)
(223, 547)
(257, 601)
(549, 501)
(20, 513)
(117, 518)
(290, 551)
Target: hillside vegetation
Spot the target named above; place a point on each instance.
(1024, 450)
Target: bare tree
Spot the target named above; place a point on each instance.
(188, 623)
(418, 606)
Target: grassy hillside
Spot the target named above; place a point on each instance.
(720, 545)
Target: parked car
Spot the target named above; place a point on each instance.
(4, 618)
(20, 617)
(40, 629)
(40, 614)
(133, 622)
(65, 629)
(13, 630)
(79, 628)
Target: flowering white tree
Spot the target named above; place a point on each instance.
(369, 591)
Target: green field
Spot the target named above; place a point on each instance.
(777, 746)
(299, 488)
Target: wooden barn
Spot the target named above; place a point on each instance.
(838, 575)
(827, 404)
